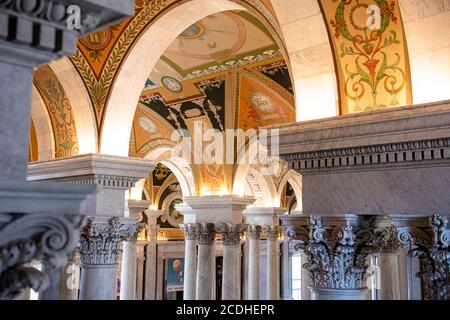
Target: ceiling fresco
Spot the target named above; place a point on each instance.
(197, 51)
(247, 97)
(100, 55)
(59, 110)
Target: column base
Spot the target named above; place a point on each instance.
(339, 294)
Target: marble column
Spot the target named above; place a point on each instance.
(129, 270)
(253, 235)
(272, 269)
(64, 284)
(31, 34)
(128, 281)
(231, 276)
(190, 260)
(306, 292)
(151, 254)
(205, 262)
(388, 276)
(140, 271)
(100, 247)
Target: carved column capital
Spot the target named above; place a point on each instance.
(337, 256)
(431, 245)
(231, 233)
(46, 237)
(254, 232)
(272, 232)
(190, 230)
(206, 233)
(100, 242)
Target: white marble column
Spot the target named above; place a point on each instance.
(151, 253)
(205, 263)
(272, 269)
(128, 280)
(100, 247)
(190, 260)
(140, 271)
(231, 274)
(306, 292)
(388, 276)
(64, 283)
(129, 270)
(253, 235)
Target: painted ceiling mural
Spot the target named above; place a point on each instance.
(372, 60)
(100, 55)
(197, 51)
(249, 96)
(59, 110)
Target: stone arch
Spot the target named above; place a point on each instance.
(311, 58)
(43, 126)
(295, 180)
(82, 108)
(428, 48)
(149, 47)
(263, 188)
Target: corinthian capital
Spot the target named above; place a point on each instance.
(254, 232)
(432, 246)
(206, 233)
(190, 230)
(272, 232)
(231, 233)
(100, 242)
(38, 236)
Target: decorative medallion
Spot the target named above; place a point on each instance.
(262, 102)
(172, 84)
(194, 31)
(98, 40)
(147, 125)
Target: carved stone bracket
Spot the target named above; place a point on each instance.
(430, 244)
(39, 236)
(101, 239)
(231, 233)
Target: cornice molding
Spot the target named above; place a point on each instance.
(107, 171)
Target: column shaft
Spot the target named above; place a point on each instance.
(231, 272)
(272, 264)
(389, 277)
(254, 232)
(205, 264)
(129, 271)
(190, 269)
